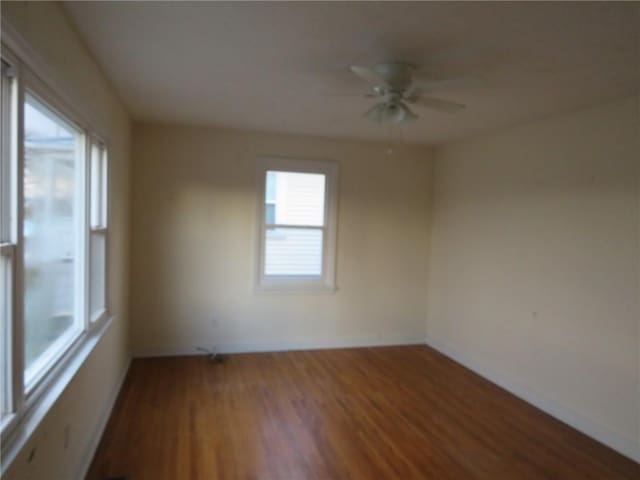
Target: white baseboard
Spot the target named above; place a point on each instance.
(602, 434)
(92, 446)
(279, 346)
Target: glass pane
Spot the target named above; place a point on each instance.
(270, 213)
(5, 333)
(49, 225)
(96, 193)
(6, 134)
(103, 186)
(298, 198)
(7, 191)
(293, 252)
(96, 296)
(270, 190)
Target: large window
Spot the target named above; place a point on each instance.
(53, 239)
(52, 223)
(297, 224)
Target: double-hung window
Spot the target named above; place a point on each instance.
(297, 226)
(98, 231)
(8, 235)
(53, 239)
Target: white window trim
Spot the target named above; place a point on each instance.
(30, 405)
(8, 249)
(293, 284)
(103, 228)
(34, 87)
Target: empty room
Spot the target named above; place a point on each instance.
(320, 240)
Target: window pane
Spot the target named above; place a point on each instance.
(49, 225)
(5, 237)
(96, 191)
(98, 186)
(103, 186)
(298, 198)
(270, 190)
(96, 296)
(7, 131)
(293, 252)
(270, 213)
(5, 332)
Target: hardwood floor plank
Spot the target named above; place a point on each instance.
(366, 413)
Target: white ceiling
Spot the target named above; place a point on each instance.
(273, 67)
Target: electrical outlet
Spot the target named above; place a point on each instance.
(32, 454)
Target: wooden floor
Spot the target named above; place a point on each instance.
(369, 413)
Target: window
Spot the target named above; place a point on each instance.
(297, 224)
(52, 224)
(7, 233)
(53, 241)
(98, 231)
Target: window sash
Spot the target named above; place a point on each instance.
(10, 129)
(7, 276)
(99, 314)
(98, 204)
(35, 373)
(294, 277)
(273, 201)
(7, 202)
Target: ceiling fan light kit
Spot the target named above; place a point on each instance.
(390, 112)
(395, 85)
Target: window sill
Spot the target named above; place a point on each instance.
(37, 372)
(99, 317)
(18, 428)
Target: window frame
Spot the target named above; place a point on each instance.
(15, 346)
(101, 227)
(284, 284)
(9, 237)
(30, 403)
(35, 373)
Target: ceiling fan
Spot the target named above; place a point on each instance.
(395, 85)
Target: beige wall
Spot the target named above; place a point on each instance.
(82, 404)
(194, 244)
(534, 264)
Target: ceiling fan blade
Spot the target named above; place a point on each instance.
(362, 95)
(367, 74)
(375, 112)
(430, 84)
(439, 104)
(409, 116)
